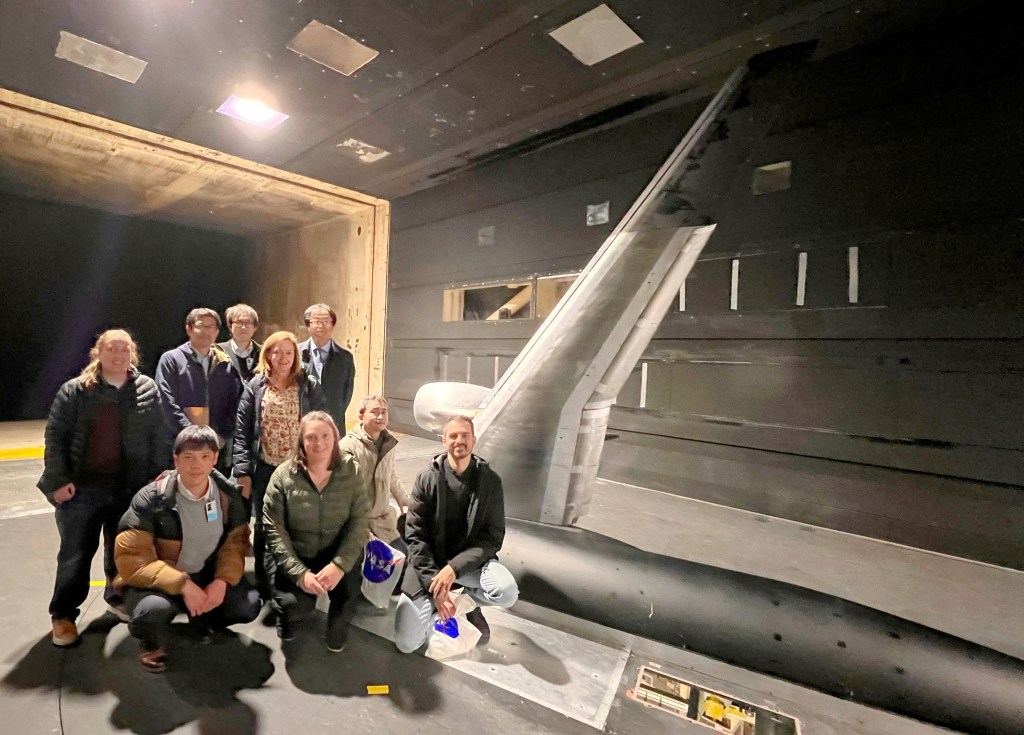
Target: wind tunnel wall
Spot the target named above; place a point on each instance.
(206, 229)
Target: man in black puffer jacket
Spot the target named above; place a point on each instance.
(454, 529)
(105, 438)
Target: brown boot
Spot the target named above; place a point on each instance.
(65, 633)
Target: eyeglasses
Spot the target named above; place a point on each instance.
(200, 325)
(319, 321)
(244, 323)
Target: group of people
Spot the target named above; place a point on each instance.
(168, 472)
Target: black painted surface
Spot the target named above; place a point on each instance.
(67, 273)
(830, 644)
(907, 149)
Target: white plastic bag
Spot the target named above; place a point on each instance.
(382, 566)
(456, 635)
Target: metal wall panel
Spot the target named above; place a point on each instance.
(898, 151)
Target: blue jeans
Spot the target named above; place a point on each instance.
(91, 513)
(490, 585)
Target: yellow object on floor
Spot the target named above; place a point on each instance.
(10, 455)
(378, 689)
(97, 583)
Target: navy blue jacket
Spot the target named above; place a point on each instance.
(183, 383)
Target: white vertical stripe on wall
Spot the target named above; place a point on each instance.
(643, 385)
(801, 278)
(734, 295)
(854, 268)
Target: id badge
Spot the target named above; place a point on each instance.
(212, 513)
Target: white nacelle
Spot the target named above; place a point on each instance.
(435, 403)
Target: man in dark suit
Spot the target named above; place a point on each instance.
(329, 362)
(243, 352)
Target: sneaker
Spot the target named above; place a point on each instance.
(204, 635)
(120, 612)
(65, 633)
(476, 617)
(155, 661)
(337, 637)
(285, 629)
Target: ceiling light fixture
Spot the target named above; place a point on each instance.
(252, 111)
(596, 35)
(99, 58)
(332, 48)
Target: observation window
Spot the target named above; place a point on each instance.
(534, 297)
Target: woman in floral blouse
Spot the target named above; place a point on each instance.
(267, 429)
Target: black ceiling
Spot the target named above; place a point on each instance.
(456, 82)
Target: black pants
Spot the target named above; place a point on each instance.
(151, 611)
(91, 513)
(293, 604)
(264, 565)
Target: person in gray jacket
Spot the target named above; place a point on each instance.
(315, 518)
(373, 447)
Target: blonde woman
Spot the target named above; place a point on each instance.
(105, 439)
(267, 428)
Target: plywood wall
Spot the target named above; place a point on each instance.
(342, 263)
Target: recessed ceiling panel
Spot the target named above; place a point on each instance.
(596, 35)
(332, 48)
(99, 58)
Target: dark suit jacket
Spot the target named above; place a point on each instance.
(338, 379)
(244, 374)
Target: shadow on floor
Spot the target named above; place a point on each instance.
(199, 686)
(526, 652)
(367, 660)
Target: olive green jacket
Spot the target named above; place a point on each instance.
(302, 523)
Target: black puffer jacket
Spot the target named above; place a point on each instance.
(249, 421)
(145, 448)
(431, 544)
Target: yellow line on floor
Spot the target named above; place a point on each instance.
(9, 455)
(97, 583)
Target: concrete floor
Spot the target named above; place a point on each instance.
(535, 670)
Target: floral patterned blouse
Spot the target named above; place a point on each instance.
(279, 432)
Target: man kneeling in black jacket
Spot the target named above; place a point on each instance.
(454, 528)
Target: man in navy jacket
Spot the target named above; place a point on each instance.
(198, 385)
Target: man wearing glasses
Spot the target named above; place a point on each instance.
(243, 352)
(329, 362)
(198, 386)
